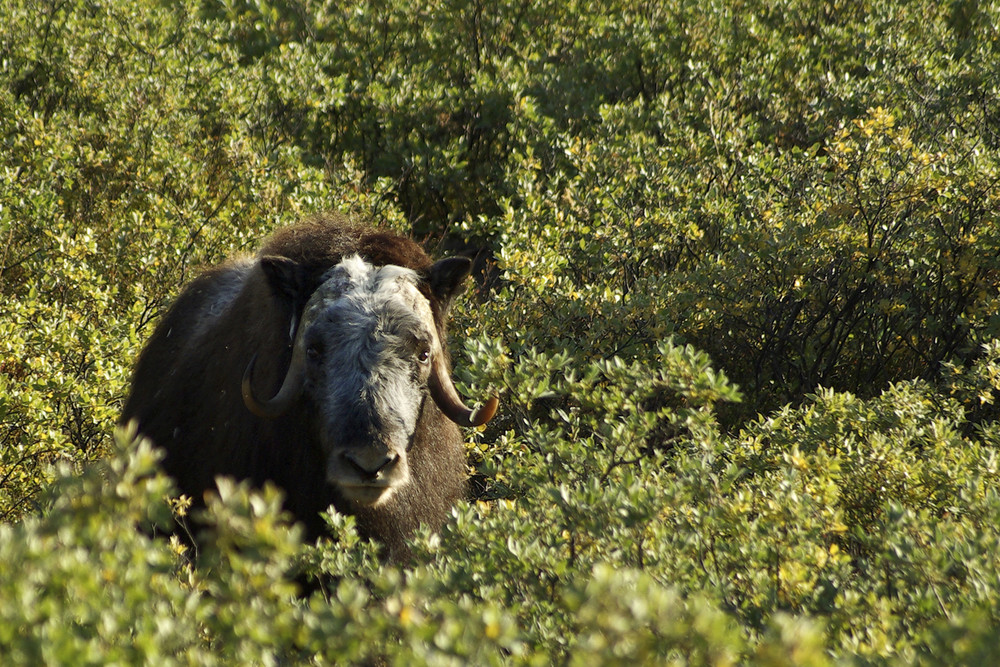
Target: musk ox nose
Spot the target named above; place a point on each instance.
(370, 465)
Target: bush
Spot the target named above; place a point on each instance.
(737, 286)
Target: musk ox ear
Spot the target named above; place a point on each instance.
(286, 277)
(288, 283)
(446, 277)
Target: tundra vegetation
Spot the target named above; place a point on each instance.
(738, 293)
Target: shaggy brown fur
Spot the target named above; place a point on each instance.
(186, 396)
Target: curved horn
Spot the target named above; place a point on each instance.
(291, 387)
(447, 398)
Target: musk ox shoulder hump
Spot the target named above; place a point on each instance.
(219, 294)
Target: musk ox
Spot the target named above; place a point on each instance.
(318, 365)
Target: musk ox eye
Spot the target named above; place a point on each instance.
(314, 351)
(424, 354)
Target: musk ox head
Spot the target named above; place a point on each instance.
(366, 356)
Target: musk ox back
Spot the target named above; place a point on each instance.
(318, 365)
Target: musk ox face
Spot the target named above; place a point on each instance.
(370, 338)
(365, 359)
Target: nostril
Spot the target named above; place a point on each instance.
(389, 462)
(370, 467)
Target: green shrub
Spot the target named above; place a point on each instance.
(738, 292)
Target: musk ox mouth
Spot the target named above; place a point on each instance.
(365, 477)
(366, 495)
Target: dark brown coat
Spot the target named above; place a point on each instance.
(186, 396)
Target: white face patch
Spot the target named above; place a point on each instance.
(370, 338)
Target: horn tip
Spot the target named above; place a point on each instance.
(484, 413)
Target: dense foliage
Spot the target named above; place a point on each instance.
(738, 288)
